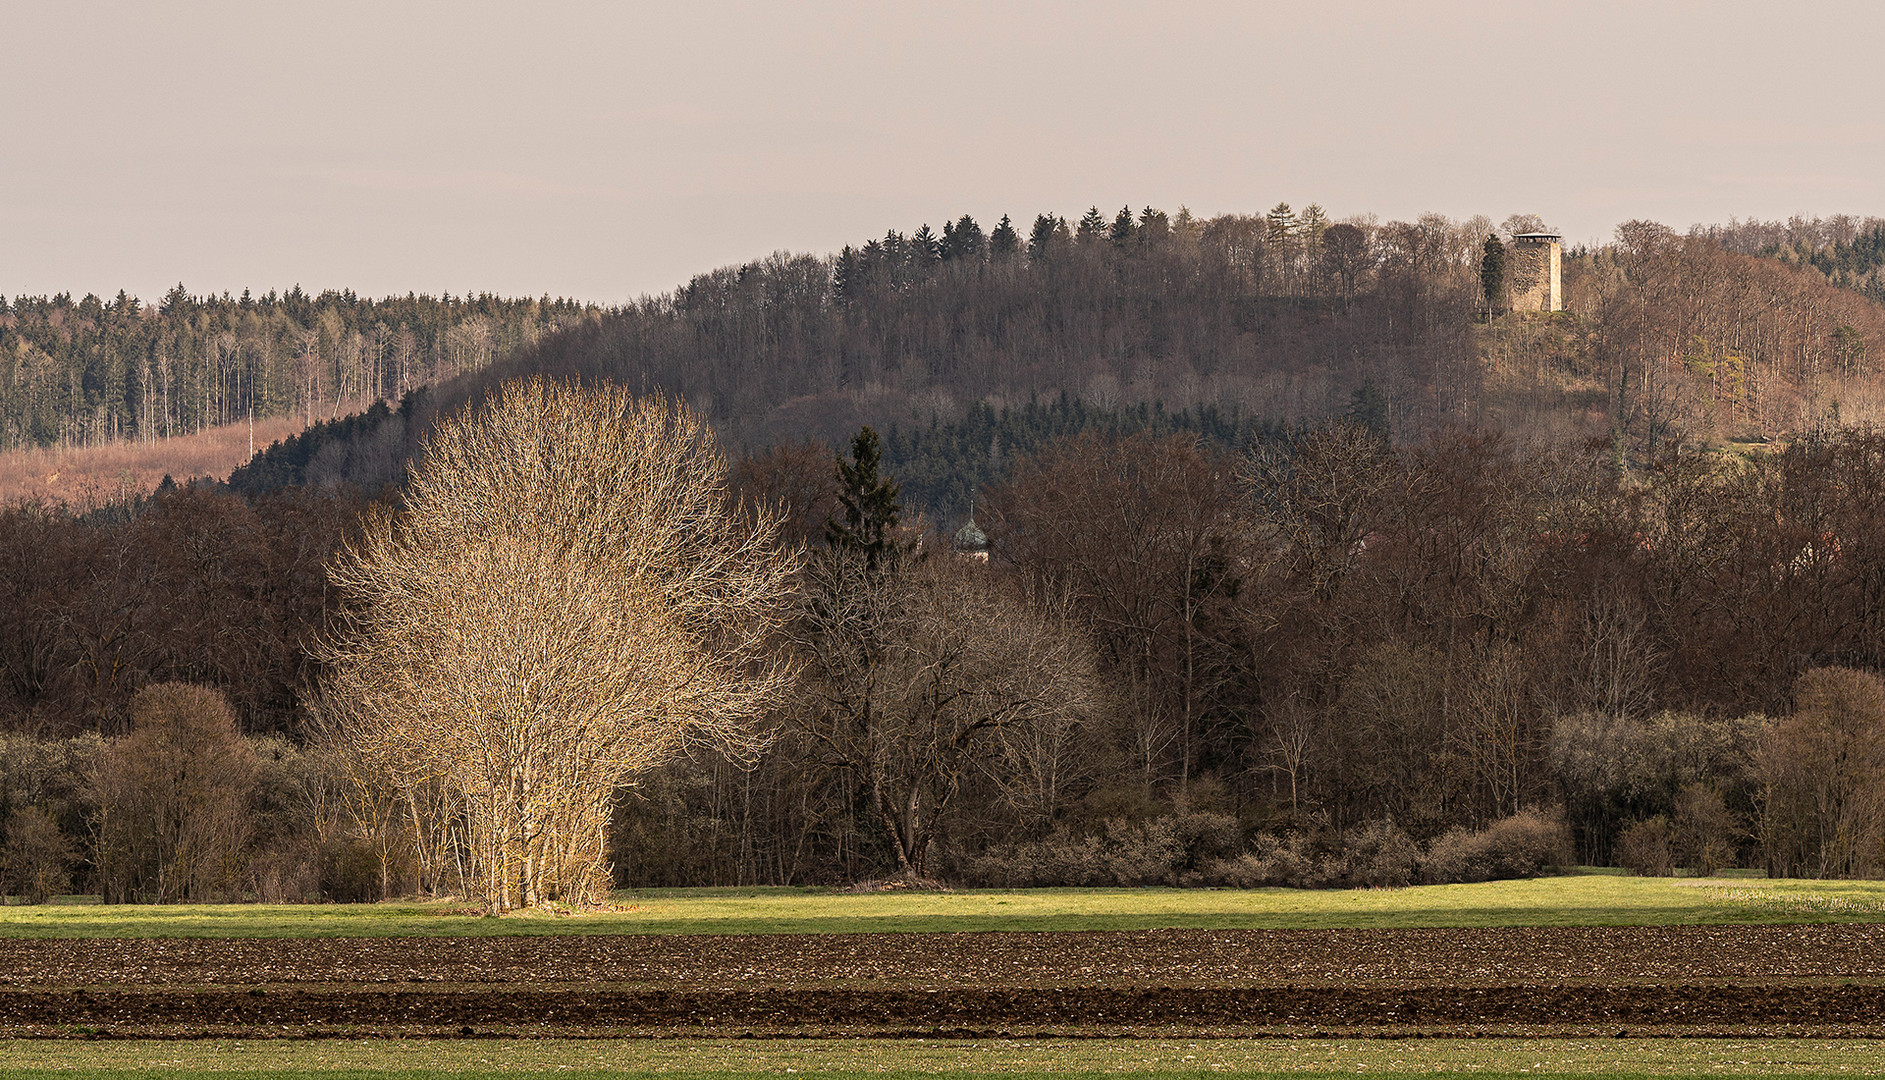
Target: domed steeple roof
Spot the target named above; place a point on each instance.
(970, 538)
(970, 541)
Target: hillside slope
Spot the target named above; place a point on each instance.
(1260, 322)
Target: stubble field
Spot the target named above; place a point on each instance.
(1731, 974)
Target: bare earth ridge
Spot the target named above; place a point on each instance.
(1818, 980)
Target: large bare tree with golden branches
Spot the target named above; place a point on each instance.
(564, 599)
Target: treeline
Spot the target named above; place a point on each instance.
(1280, 316)
(90, 371)
(191, 584)
(1330, 633)
(1848, 250)
(1321, 659)
(1276, 320)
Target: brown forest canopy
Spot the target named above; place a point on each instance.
(1327, 629)
(1521, 574)
(1735, 329)
(1280, 319)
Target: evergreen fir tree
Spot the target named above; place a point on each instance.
(844, 275)
(1492, 274)
(925, 249)
(1004, 241)
(1368, 408)
(963, 239)
(1124, 230)
(868, 502)
(1154, 227)
(1041, 238)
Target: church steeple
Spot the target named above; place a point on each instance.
(970, 541)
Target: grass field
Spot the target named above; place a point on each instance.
(1575, 900)
(721, 1059)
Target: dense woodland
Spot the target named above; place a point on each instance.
(1291, 645)
(1256, 322)
(1279, 317)
(89, 371)
(1849, 251)
(1354, 587)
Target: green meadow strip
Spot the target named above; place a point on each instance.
(1574, 900)
(331, 1059)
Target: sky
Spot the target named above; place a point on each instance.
(606, 150)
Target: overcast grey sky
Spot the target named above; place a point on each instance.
(605, 150)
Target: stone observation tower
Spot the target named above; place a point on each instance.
(1532, 272)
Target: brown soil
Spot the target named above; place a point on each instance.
(1826, 980)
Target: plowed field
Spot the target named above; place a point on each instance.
(1820, 980)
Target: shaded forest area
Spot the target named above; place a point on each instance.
(1748, 329)
(91, 372)
(1326, 660)
(1232, 327)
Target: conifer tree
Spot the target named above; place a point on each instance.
(925, 249)
(1042, 237)
(962, 239)
(844, 275)
(1282, 224)
(1492, 273)
(1154, 227)
(1004, 241)
(867, 500)
(1124, 230)
(1368, 408)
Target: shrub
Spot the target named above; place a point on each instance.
(1524, 845)
(1172, 850)
(1147, 853)
(1196, 849)
(38, 860)
(1704, 830)
(349, 871)
(1271, 860)
(1454, 856)
(1527, 844)
(1644, 848)
(1375, 855)
(1205, 836)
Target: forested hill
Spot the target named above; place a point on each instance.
(89, 371)
(1280, 316)
(1260, 322)
(1849, 251)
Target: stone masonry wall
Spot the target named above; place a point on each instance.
(1533, 274)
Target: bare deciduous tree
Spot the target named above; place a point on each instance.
(564, 600)
(920, 674)
(1822, 777)
(172, 799)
